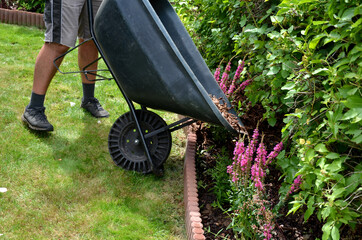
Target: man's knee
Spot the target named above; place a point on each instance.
(56, 47)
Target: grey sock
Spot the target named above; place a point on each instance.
(88, 91)
(36, 100)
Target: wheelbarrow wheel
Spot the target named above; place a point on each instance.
(125, 145)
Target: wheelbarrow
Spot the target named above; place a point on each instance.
(155, 63)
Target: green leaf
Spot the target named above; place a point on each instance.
(352, 113)
(272, 121)
(335, 166)
(288, 86)
(352, 182)
(353, 102)
(357, 139)
(277, 19)
(320, 70)
(309, 155)
(335, 233)
(319, 22)
(273, 70)
(243, 21)
(325, 212)
(295, 207)
(356, 24)
(348, 14)
(313, 44)
(310, 209)
(321, 148)
(305, 1)
(326, 230)
(337, 193)
(332, 155)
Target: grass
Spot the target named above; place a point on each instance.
(64, 185)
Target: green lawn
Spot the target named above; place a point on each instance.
(64, 185)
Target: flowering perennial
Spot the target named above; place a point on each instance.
(236, 78)
(296, 184)
(230, 88)
(249, 169)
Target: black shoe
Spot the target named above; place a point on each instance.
(93, 106)
(36, 119)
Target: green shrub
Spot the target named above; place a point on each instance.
(27, 5)
(304, 59)
(32, 5)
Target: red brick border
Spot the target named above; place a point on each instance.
(21, 18)
(193, 220)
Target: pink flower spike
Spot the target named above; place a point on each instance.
(217, 74)
(277, 149)
(245, 84)
(228, 67)
(296, 184)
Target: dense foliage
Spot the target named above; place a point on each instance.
(27, 5)
(304, 60)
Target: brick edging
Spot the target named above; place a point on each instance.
(21, 18)
(193, 219)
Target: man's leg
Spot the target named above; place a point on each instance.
(44, 68)
(88, 53)
(44, 72)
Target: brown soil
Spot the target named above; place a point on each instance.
(215, 221)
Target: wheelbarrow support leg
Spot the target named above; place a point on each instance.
(129, 102)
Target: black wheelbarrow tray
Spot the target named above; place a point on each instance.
(155, 64)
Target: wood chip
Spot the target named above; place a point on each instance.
(231, 118)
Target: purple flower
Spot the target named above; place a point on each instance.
(245, 84)
(228, 67)
(217, 74)
(275, 152)
(267, 231)
(229, 169)
(236, 78)
(296, 184)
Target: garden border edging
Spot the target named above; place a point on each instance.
(23, 18)
(193, 219)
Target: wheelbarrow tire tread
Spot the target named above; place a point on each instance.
(125, 146)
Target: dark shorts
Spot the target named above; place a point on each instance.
(65, 20)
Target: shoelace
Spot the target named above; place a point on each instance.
(97, 104)
(38, 114)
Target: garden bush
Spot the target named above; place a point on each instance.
(303, 58)
(27, 5)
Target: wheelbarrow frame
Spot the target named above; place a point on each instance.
(170, 128)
